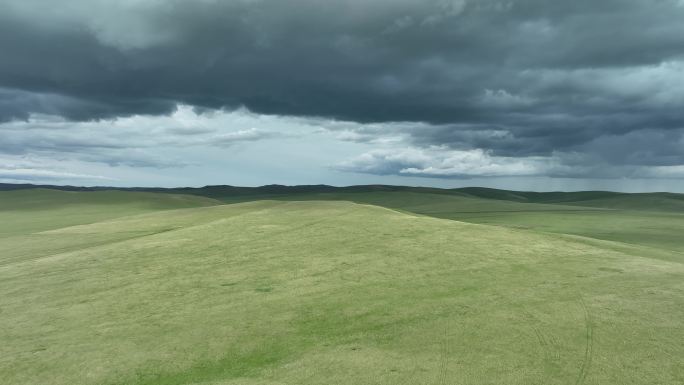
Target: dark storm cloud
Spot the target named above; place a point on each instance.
(516, 78)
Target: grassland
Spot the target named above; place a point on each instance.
(311, 288)
(26, 211)
(637, 219)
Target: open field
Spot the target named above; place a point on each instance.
(146, 288)
(26, 211)
(640, 219)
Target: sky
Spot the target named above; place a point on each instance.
(516, 94)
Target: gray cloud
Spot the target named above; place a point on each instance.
(32, 171)
(523, 79)
(33, 175)
(469, 164)
(248, 135)
(140, 141)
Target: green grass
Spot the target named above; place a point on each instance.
(666, 202)
(631, 219)
(23, 211)
(140, 291)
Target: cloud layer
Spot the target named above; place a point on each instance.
(480, 87)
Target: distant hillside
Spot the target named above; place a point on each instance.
(48, 208)
(662, 201)
(537, 197)
(226, 190)
(44, 198)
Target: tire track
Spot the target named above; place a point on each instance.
(589, 347)
(548, 344)
(444, 355)
(541, 339)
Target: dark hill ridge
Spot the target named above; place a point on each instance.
(229, 191)
(660, 201)
(540, 197)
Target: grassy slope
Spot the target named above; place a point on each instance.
(26, 214)
(337, 293)
(605, 219)
(651, 219)
(653, 202)
(276, 292)
(655, 220)
(163, 231)
(656, 230)
(33, 210)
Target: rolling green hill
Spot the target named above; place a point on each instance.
(655, 202)
(659, 202)
(276, 292)
(43, 209)
(158, 288)
(628, 218)
(650, 219)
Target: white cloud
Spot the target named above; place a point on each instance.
(248, 135)
(31, 175)
(32, 170)
(136, 140)
(504, 99)
(439, 162)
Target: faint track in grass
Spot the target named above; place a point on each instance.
(135, 235)
(547, 343)
(589, 347)
(444, 355)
